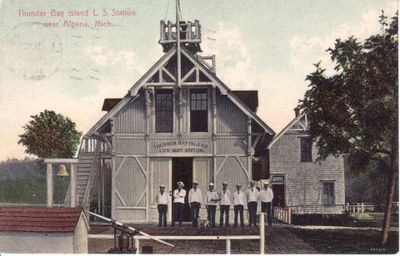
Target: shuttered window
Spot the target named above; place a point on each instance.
(306, 149)
(328, 193)
(164, 110)
(198, 110)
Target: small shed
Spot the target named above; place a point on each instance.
(43, 230)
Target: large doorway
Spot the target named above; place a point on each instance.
(278, 187)
(182, 170)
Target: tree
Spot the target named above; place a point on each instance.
(50, 135)
(355, 110)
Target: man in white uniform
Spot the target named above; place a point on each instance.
(211, 200)
(252, 199)
(239, 199)
(162, 199)
(266, 196)
(224, 204)
(179, 203)
(195, 199)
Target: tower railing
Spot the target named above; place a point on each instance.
(190, 32)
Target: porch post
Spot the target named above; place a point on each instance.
(49, 185)
(73, 184)
(262, 233)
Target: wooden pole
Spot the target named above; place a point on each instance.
(137, 246)
(73, 184)
(178, 44)
(49, 185)
(262, 233)
(228, 246)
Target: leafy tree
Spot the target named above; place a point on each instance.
(355, 110)
(50, 135)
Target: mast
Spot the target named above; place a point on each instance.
(178, 64)
(178, 43)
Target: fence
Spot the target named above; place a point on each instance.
(283, 214)
(227, 239)
(317, 209)
(360, 208)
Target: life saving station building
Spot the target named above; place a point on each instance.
(178, 122)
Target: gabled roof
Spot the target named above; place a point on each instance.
(287, 128)
(133, 91)
(39, 219)
(250, 98)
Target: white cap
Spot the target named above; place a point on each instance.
(224, 183)
(180, 183)
(196, 182)
(211, 184)
(162, 186)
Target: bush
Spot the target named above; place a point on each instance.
(323, 219)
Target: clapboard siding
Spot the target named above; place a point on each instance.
(231, 145)
(230, 118)
(130, 146)
(131, 119)
(304, 180)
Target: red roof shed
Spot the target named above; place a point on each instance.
(43, 230)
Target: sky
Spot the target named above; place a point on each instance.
(264, 45)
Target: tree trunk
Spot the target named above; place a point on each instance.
(389, 202)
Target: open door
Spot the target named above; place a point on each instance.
(182, 170)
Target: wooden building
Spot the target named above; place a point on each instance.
(299, 182)
(178, 122)
(43, 230)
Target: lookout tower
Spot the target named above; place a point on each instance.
(181, 32)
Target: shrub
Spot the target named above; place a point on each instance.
(323, 219)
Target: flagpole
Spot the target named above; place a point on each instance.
(178, 43)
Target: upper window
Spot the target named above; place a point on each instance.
(164, 110)
(328, 193)
(198, 110)
(306, 149)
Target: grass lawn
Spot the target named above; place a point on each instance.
(348, 241)
(377, 220)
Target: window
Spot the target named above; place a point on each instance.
(328, 193)
(306, 149)
(164, 110)
(198, 110)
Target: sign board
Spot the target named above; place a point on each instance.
(181, 147)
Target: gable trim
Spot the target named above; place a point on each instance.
(284, 130)
(159, 64)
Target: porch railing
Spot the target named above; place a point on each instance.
(88, 145)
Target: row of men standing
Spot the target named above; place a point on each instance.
(211, 200)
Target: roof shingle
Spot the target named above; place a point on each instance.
(39, 219)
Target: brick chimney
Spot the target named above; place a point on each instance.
(297, 111)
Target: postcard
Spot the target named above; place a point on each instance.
(199, 127)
